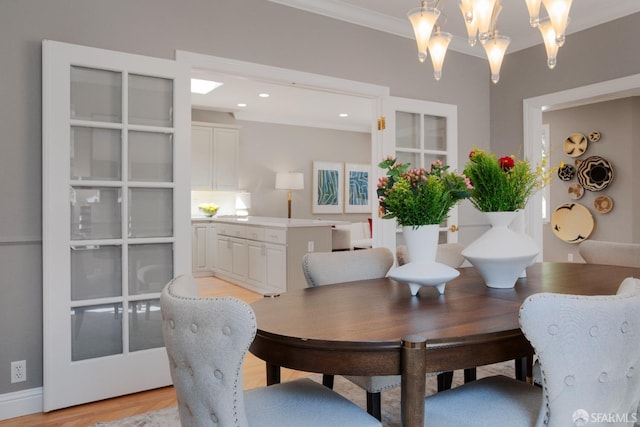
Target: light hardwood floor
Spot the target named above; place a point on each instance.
(126, 406)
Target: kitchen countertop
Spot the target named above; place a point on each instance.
(267, 221)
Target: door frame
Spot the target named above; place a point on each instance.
(532, 128)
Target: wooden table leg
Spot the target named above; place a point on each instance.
(273, 374)
(413, 364)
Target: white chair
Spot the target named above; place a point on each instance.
(589, 352)
(206, 341)
(326, 268)
(610, 253)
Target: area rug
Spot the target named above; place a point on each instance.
(390, 400)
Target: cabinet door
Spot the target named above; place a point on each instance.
(257, 264)
(276, 268)
(239, 258)
(201, 157)
(224, 255)
(225, 158)
(199, 248)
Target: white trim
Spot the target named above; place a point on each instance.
(20, 403)
(281, 75)
(532, 123)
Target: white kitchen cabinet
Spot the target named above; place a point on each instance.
(202, 248)
(267, 267)
(265, 254)
(214, 156)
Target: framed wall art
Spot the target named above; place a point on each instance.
(328, 187)
(356, 186)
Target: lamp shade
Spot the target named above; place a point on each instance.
(243, 200)
(289, 181)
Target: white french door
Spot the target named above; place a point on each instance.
(116, 202)
(417, 132)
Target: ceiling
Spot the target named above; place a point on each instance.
(292, 105)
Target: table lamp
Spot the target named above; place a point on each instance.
(289, 181)
(243, 203)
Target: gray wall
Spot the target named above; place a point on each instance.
(269, 148)
(615, 121)
(598, 54)
(248, 30)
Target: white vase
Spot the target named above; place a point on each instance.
(422, 268)
(501, 254)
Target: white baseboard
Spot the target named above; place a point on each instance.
(19, 403)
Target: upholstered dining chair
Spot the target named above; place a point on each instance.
(327, 268)
(610, 253)
(589, 355)
(206, 341)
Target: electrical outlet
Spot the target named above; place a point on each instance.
(310, 246)
(18, 371)
(570, 257)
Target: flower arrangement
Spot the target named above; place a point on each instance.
(416, 196)
(209, 209)
(502, 184)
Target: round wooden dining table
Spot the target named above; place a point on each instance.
(371, 327)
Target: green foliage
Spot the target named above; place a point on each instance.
(417, 196)
(503, 184)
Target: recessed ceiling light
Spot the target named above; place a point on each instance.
(203, 86)
(263, 95)
(242, 104)
(343, 115)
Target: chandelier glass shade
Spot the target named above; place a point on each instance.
(495, 47)
(438, 45)
(481, 18)
(423, 19)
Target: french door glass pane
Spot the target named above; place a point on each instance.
(96, 95)
(150, 157)
(145, 325)
(95, 213)
(96, 154)
(435, 133)
(150, 267)
(150, 101)
(407, 130)
(413, 158)
(430, 158)
(96, 272)
(150, 212)
(96, 331)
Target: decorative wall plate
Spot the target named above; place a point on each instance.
(576, 191)
(575, 145)
(572, 222)
(595, 136)
(603, 204)
(595, 173)
(566, 172)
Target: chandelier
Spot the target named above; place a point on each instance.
(480, 18)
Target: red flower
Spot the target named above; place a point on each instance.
(506, 163)
(471, 154)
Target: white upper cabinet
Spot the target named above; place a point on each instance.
(214, 157)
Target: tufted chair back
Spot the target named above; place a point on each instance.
(206, 341)
(326, 268)
(589, 352)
